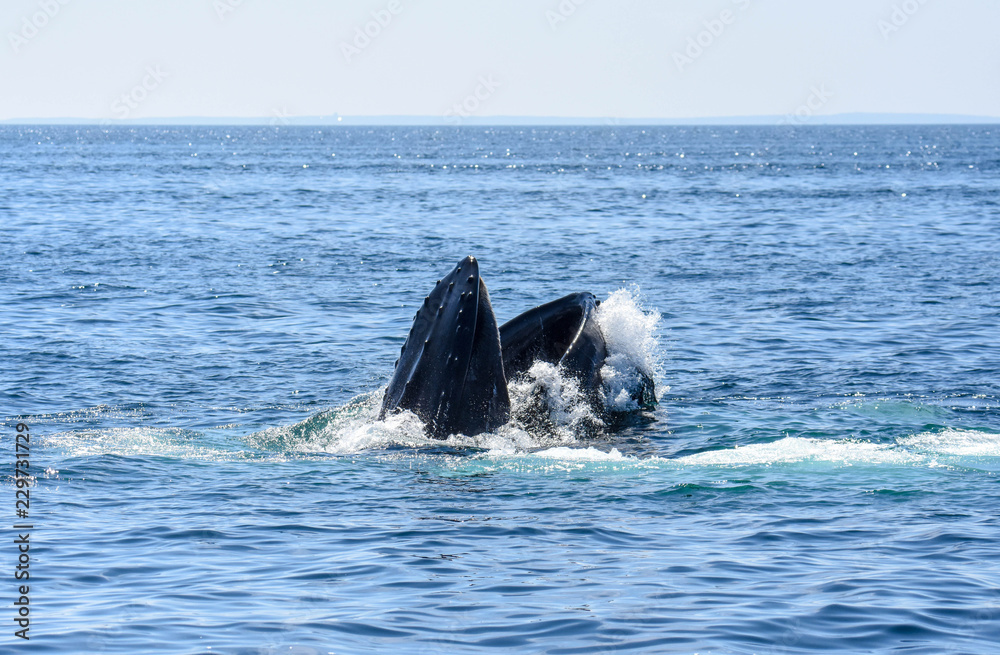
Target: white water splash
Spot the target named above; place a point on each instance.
(630, 332)
(349, 429)
(140, 442)
(963, 443)
(589, 454)
(354, 429)
(551, 402)
(930, 449)
(799, 449)
(925, 450)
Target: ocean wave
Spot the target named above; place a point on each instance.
(354, 429)
(801, 449)
(925, 450)
(963, 443)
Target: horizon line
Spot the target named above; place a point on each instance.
(279, 120)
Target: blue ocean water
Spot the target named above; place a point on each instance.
(198, 322)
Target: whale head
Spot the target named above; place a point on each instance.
(450, 369)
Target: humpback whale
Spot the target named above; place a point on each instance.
(453, 369)
(450, 371)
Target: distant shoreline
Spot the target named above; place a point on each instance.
(528, 121)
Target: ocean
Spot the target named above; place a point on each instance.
(198, 323)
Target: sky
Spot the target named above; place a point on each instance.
(141, 59)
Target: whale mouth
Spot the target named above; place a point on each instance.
(455, 368)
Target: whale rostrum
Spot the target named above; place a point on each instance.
(450, 371)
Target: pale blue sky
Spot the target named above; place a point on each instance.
(592, 58)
